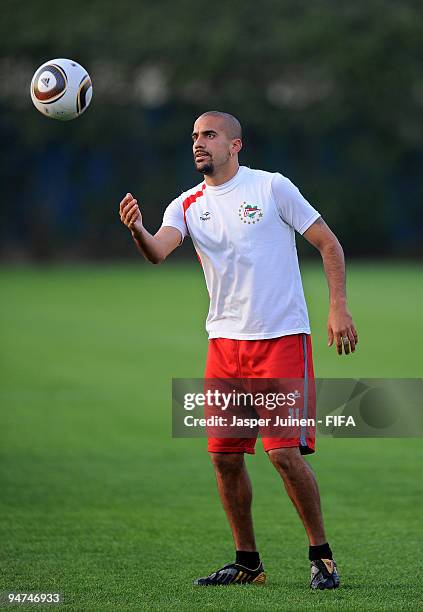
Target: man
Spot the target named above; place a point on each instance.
(242, 223)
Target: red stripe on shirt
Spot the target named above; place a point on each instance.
(191, 199)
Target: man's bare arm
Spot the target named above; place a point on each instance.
(153, 248)
(340, 324)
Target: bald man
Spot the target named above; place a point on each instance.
(242, 223)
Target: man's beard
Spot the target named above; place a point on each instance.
(205, 167)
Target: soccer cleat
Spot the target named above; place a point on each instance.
(233, 573)
(324, 574)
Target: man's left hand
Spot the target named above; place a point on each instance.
(341, 329)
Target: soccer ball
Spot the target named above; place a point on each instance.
(61, 89)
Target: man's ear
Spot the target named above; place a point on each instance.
(236, 146)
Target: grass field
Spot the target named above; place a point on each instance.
(98, 501)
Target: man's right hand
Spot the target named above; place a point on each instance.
(154, 248)
(130, 214)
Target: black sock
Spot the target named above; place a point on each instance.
(248, 559)
(320, 552)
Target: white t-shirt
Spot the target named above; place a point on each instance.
(244, 235)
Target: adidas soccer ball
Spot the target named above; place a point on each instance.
(61, 89)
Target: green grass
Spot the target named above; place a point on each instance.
(100, 503)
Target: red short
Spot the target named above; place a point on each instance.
(283, 357)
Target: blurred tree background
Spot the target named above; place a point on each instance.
(329, 93)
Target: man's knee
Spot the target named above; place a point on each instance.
(228, 462)
(285, 459)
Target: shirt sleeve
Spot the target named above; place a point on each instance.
(293, 208)
(174, 217)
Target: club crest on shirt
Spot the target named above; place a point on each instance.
(250, 213)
